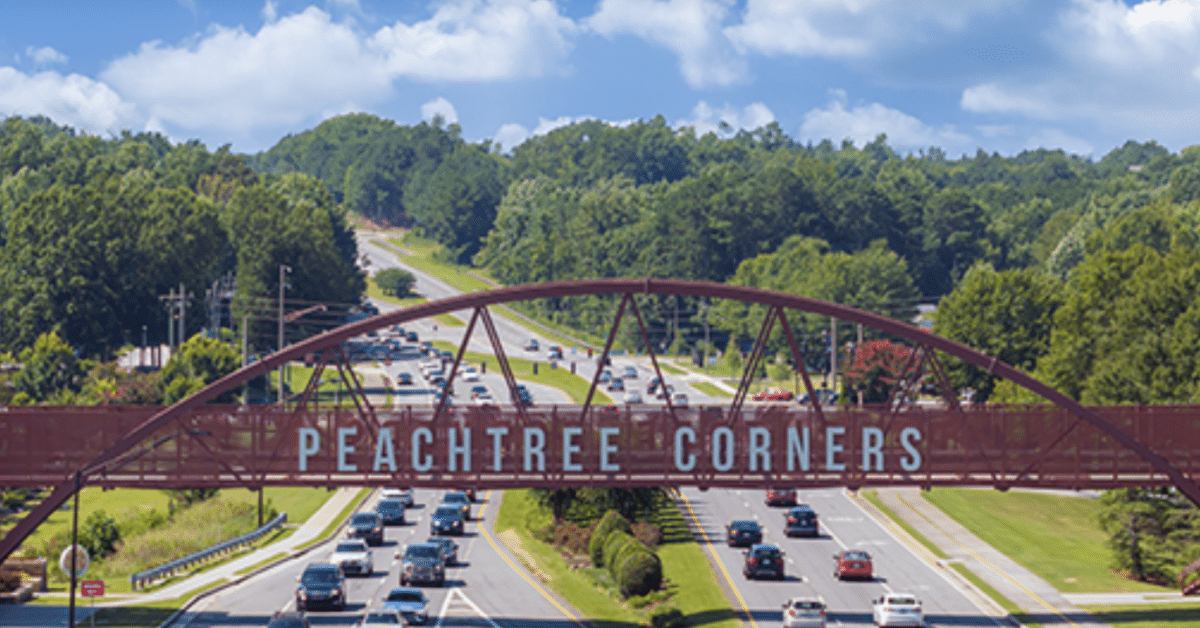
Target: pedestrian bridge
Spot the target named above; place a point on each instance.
(194, 444)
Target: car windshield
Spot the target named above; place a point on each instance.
(382, 618)
(745, 525)
(455, 498)
(766, 550)
(808, 604)
(404, 596)
(363, 519)
(447, 512)
(421, 551)
(351, 547)
(857, 556)
(902, 601)
(390, 504)
(319, 576)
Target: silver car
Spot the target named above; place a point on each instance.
(804, 612)
(353, 556)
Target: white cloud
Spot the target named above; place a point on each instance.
(848, 28)
(1056, 138)
(471, 40)
(74, 100)
(270, 11)
(689, 28)
(300, 65)
(45, 55)
(439, 107)
(510, 135)
(1133, 71)
(864, 123)
(706, 120)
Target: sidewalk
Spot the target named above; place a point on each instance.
(308, 531)
(1033, 595)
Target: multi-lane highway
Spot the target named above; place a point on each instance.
(485, 589)
(810, 565)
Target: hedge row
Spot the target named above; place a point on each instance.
(636, 569)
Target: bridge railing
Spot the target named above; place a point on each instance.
(140, 578)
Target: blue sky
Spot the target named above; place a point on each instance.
(1002, 75)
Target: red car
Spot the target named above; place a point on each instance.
(773, 394)
(853, 564)
(781, 497)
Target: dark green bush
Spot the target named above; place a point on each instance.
(395, 282)
(99, 534)
(616, 559)
(612, 520)
(639, 574)
(612, 546)
(667, 617)
(9, 581)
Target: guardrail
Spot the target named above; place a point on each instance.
(167, 569)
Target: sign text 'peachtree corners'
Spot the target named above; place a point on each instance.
(538, 449)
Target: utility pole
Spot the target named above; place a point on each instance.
(707, 342)
(245, 353)
(170, 301)
(182, 314)
(833, 349)
(283, 268)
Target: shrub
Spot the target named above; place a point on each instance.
(614, 561)
(395, 282)
(640, 574)
(649, 534)
(612, 520)
(571, 538)
(667, 617)
(9, 581)
(612, 547)
(99, 534)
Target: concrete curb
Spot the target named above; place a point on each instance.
(244, 577)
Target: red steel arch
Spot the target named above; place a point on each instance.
(778, 301)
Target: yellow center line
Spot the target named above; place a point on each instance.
(521, 572)
(728, 578)
(981, 559)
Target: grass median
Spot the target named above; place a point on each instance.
(711, 389)
(374, 292)
(1172, 615)
(695, 591)
(1056, 537)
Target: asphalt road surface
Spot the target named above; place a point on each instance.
(485, 589)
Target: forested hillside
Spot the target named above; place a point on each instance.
(93, 231)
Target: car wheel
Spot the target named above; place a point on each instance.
(403, 581)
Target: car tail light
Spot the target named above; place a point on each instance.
(791, 612)
(791, 520)
(753, 561)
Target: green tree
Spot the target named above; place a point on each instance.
(396, 282)
(1153, 532)
(1007, 314)
(195, 364)
(49, 366)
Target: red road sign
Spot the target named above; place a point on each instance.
(91, 588)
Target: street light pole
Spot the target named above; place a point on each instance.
(283, 268)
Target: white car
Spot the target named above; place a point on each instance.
(804, 612)
(898, 609)
(485, 399)
(405, 495)
(633, 397)
(382, 619)
(469, 374)
(353, 556)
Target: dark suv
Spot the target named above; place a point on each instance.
(801, 521)
(391, 511)
(447, 519)
(763, 561)
(321, 584)
(423, 562)
(367, 526)
(743, 532)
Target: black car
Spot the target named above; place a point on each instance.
(523, 397)
(449, 549)
(367, 526)
(411, 336)
(763, 561)
(447, 519)
(801, 521)
(321, 584)
(743, 532)
(423, 562)
(460, 499)
(391, 511)
(404, 379)
(289, 619)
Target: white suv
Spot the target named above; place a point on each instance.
(898, 609)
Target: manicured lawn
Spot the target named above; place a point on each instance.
(561, 378)
(711, 389)
(1174, 615)
(696, 592)
(1056, 537)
